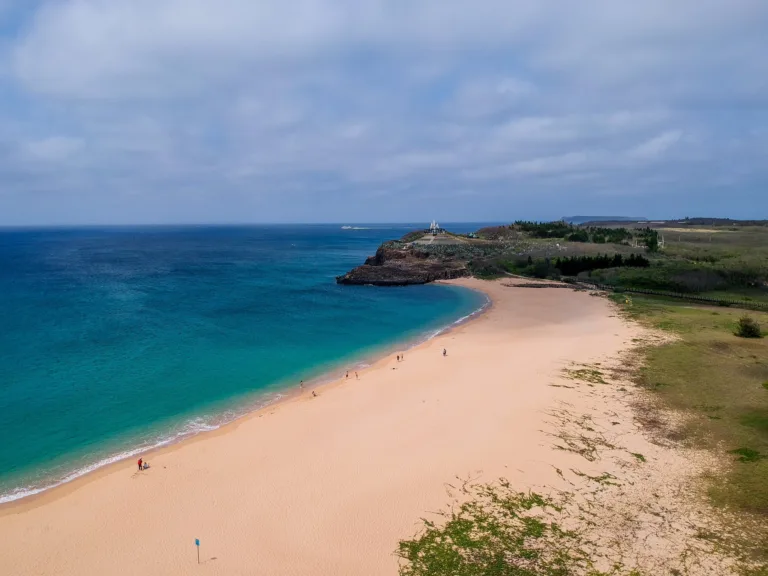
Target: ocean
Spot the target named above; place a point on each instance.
(116, 340)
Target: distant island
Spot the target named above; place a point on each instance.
(585, 219)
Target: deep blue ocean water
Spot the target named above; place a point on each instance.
(117, 339)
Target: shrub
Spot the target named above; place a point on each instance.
(486, 268)
(747, 455)
(578, 236)
(493, 530)
(748, 328)
(557, 229)
(411, 236)
(543, 269)
(572, 266)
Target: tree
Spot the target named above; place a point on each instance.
(652, 241)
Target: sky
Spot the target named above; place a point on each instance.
(230, 111)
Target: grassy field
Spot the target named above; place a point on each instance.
(730, 262)
(721, 380)
(746, 294)
(721, 261)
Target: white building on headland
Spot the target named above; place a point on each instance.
(435, 229)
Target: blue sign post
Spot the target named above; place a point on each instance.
(197, 544)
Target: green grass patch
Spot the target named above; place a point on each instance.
(745, 294)
(640, 457)
(719, 379)
(590, 375)
(757, 420)
(747, 455)
(493, 530)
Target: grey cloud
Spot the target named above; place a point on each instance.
(195, 110)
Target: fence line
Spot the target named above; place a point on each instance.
(703, 299)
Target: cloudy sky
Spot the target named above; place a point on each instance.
(164, 111)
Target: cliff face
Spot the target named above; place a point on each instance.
(402, 266)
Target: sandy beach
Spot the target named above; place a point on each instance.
(328, 485)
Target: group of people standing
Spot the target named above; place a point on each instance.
(400, 358)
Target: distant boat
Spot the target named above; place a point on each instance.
(354, 228)
(346, 227)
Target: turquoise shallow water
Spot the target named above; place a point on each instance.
(115, 340)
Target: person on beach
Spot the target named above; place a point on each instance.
(398, 357)
(347, 376)
(314, 394)
(141, 463)
(356, 376)
(445, 352)
(301, 384)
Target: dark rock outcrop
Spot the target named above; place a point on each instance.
(403, 266)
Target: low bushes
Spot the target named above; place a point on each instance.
(747, 327)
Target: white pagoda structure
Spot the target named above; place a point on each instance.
(435, 229)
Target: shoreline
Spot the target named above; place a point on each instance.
(280, 396)
(329, 485)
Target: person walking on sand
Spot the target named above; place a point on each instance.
(356, 376)
(301, 385)
(445, 352)
(140, 463)
(347, 376)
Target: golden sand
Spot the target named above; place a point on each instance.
(327, 485)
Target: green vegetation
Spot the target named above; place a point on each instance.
(493, 530)
(554, 268)
(747, 455)
(411, 236)
(539, 268)
(722, 262)
(728, 260)
(590, 375)
(609, 235)
(557, 229)
(719, 380)
(594, 234)
(721, 222)
(577, 264)
(747, 327)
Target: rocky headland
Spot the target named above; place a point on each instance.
(398, 264)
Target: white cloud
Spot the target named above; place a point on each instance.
(53, 149)
(478, 98)
(151, 47)
(656, 146)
